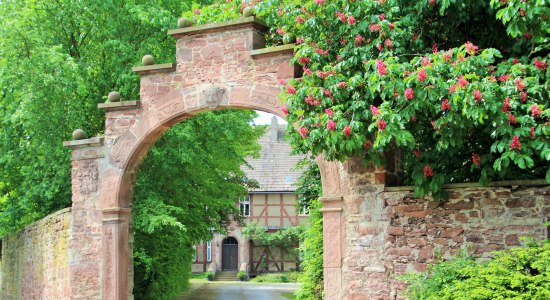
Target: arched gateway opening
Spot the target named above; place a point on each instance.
(217, 66)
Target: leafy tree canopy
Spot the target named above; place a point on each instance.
(58, 60)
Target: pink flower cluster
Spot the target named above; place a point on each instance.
(303, 132)
(304, 60)
(462, 82)
(425, 61)
(375, 111)
(445, 105)
(477, 95)
(523, 97)
(381, 124)
(428, 171)
(347, 131)
(381, 66)
(470, 48)
(535, 111)
(409, 94)
(359, 40)
(341, 16)
(520, 85)
(506, 106)
(284, 109)
(421, 75)
(541, 64)
(476, 158)
(312, 101)
(374, 27)
(331, 125)
(515, 144)
(290, 89)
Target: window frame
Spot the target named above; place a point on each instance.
(209, 251)
(244, 202)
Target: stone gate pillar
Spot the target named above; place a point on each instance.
(115, 200)
(354, 227)
(86, 228)
(334, 189)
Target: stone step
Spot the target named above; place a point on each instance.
(226, 276)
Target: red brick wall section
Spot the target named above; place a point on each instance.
(417, 231)
(35, 261)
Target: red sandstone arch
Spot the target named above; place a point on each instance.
(217, 66)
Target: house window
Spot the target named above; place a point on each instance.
(195, 253)
(244, 206)
(209, 251)
(303, 208)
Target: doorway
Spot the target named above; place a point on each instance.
(230, 251)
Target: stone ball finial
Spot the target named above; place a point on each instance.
(249, 11)
(184, 22)
(113, 96)
(79, 134)
(148, 60)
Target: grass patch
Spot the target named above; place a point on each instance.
(201, 275)
(289, 296)
(283, 277)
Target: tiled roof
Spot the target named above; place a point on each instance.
(274, 168)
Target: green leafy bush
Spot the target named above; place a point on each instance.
(519, 273)
(277, 277)
(241, 275)
(209, 275)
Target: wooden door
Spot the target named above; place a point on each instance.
(230, 251)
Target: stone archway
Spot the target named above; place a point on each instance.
(217, 66)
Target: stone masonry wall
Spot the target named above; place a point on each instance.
(416, 232)
(35, 260)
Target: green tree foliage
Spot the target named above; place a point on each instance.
(187, 187)
(519, 273)
(309, 191)
(58, 60)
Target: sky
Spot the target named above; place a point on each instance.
(265, 118)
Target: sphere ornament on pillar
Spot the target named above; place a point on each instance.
(184, 22)
(113, 96)
(249, 11)
(79, 134)
(148, 60)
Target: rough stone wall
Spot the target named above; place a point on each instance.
(35, 261)
(412, 233)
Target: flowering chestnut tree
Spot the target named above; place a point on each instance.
(460, 87)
